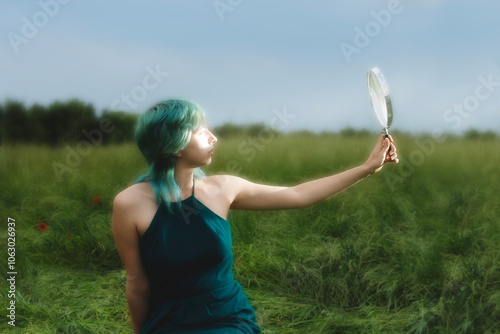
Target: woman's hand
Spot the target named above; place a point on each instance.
(383, 152)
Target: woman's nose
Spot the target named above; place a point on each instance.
(213, 139)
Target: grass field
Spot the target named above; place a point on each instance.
(412, 249)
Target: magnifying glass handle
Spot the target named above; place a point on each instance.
(387, 136)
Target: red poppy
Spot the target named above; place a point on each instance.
(69, 235)
(96, 200)
(42, 227)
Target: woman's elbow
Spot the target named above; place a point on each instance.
(298, 201)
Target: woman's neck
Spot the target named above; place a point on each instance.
(184, 179)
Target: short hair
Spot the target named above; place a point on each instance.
(163, 131)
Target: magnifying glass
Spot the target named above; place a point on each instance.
(380, 98)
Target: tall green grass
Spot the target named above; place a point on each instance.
(412, 249)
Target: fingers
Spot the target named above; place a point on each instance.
(393, 155)
(380, 141)
(393, 150)
(387, 146)
(388, 143)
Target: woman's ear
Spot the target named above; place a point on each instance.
(178, 154)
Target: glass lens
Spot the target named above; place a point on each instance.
(377, 98)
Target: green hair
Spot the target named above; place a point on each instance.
(163, 131)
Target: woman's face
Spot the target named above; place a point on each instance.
(200, 149)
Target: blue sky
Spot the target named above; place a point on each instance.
(246, 60)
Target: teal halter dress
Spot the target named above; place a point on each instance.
(188, 257)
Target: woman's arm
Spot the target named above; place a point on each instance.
(251, 196)
(127, 244)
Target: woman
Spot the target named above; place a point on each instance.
(170, 228)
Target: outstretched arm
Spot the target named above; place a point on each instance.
(251, 196)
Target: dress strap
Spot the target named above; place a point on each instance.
(193, 186)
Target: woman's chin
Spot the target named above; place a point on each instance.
(208, 162)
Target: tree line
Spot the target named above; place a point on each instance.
(61, 122)
(71, 121)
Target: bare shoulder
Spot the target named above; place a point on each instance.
(132, 195)
(221, 180)
(134, 205)
(217, 192)
(226, 184)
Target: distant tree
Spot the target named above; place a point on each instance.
(229, 130)
(2, 124)
(259, 129)
(15, 122)
(38, 124)
(67, 120)
(480, 135)
(303, 133)
(252, 130)
(351, 132)
(123, 126)
(62, 122)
